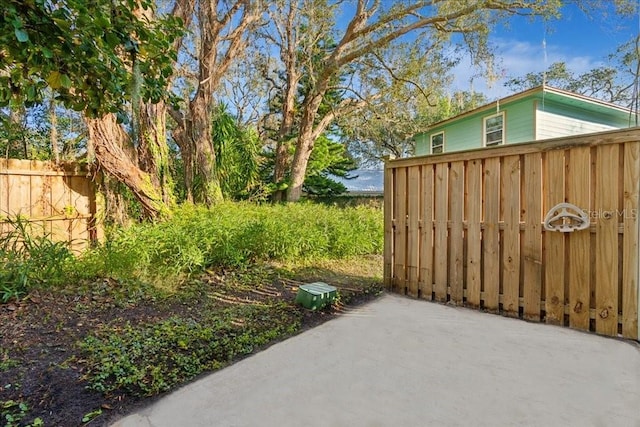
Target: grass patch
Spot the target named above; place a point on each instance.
(194, 240)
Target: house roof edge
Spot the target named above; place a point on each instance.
(524, 94)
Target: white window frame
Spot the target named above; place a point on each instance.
(431, 142)
(484, 130)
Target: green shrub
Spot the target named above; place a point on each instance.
(147, 360)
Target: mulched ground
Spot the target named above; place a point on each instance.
(42, 366)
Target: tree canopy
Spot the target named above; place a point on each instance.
(88, 53)
(312, 86)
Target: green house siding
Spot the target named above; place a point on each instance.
(520, 122)
(467, 132)
(464, 134)
(422, 144)
(536, 114)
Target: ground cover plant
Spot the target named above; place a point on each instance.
(156, 305)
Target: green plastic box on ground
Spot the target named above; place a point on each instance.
(316, 295)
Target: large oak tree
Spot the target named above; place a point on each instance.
(371, 29)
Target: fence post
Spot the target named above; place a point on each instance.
(630, 239)
(388, 192)
(635, 197)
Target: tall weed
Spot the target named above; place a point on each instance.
(28, 258)
(235, 235)
(229, 235)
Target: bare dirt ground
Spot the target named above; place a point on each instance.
(43, 368)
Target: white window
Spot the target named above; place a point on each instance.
(437, 143)
(494, 130)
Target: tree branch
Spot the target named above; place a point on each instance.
(438, 21)
(347, 106)
(401, 79)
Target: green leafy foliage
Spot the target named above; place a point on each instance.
(82, 51)
(91, 415)
(29, 259)
(25, 133)
(152, 359)
(233, 235)
(6, 362)
(327, 158)
(237, 155)
(320, 185)
(14, 413)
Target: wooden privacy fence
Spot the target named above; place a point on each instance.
(58, 201)
(467, 228)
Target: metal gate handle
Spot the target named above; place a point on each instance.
(565, 218)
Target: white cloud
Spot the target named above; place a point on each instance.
(516, 58)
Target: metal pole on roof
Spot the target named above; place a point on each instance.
(544, 54)
(636, 93)
(633, 106)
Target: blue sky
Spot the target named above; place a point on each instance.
(581, 41)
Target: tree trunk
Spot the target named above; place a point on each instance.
(186, 154)
(304, 144)
(114, 204)
(187, 163)
(282, 160)
(222, 37)
(289, 56)
(193, 136)
(281, 168)
(153, 151)
(304, 148)
(108, 140)
(195, 141)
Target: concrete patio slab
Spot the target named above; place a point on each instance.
(402, 362)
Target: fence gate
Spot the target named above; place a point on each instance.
(467, 228)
